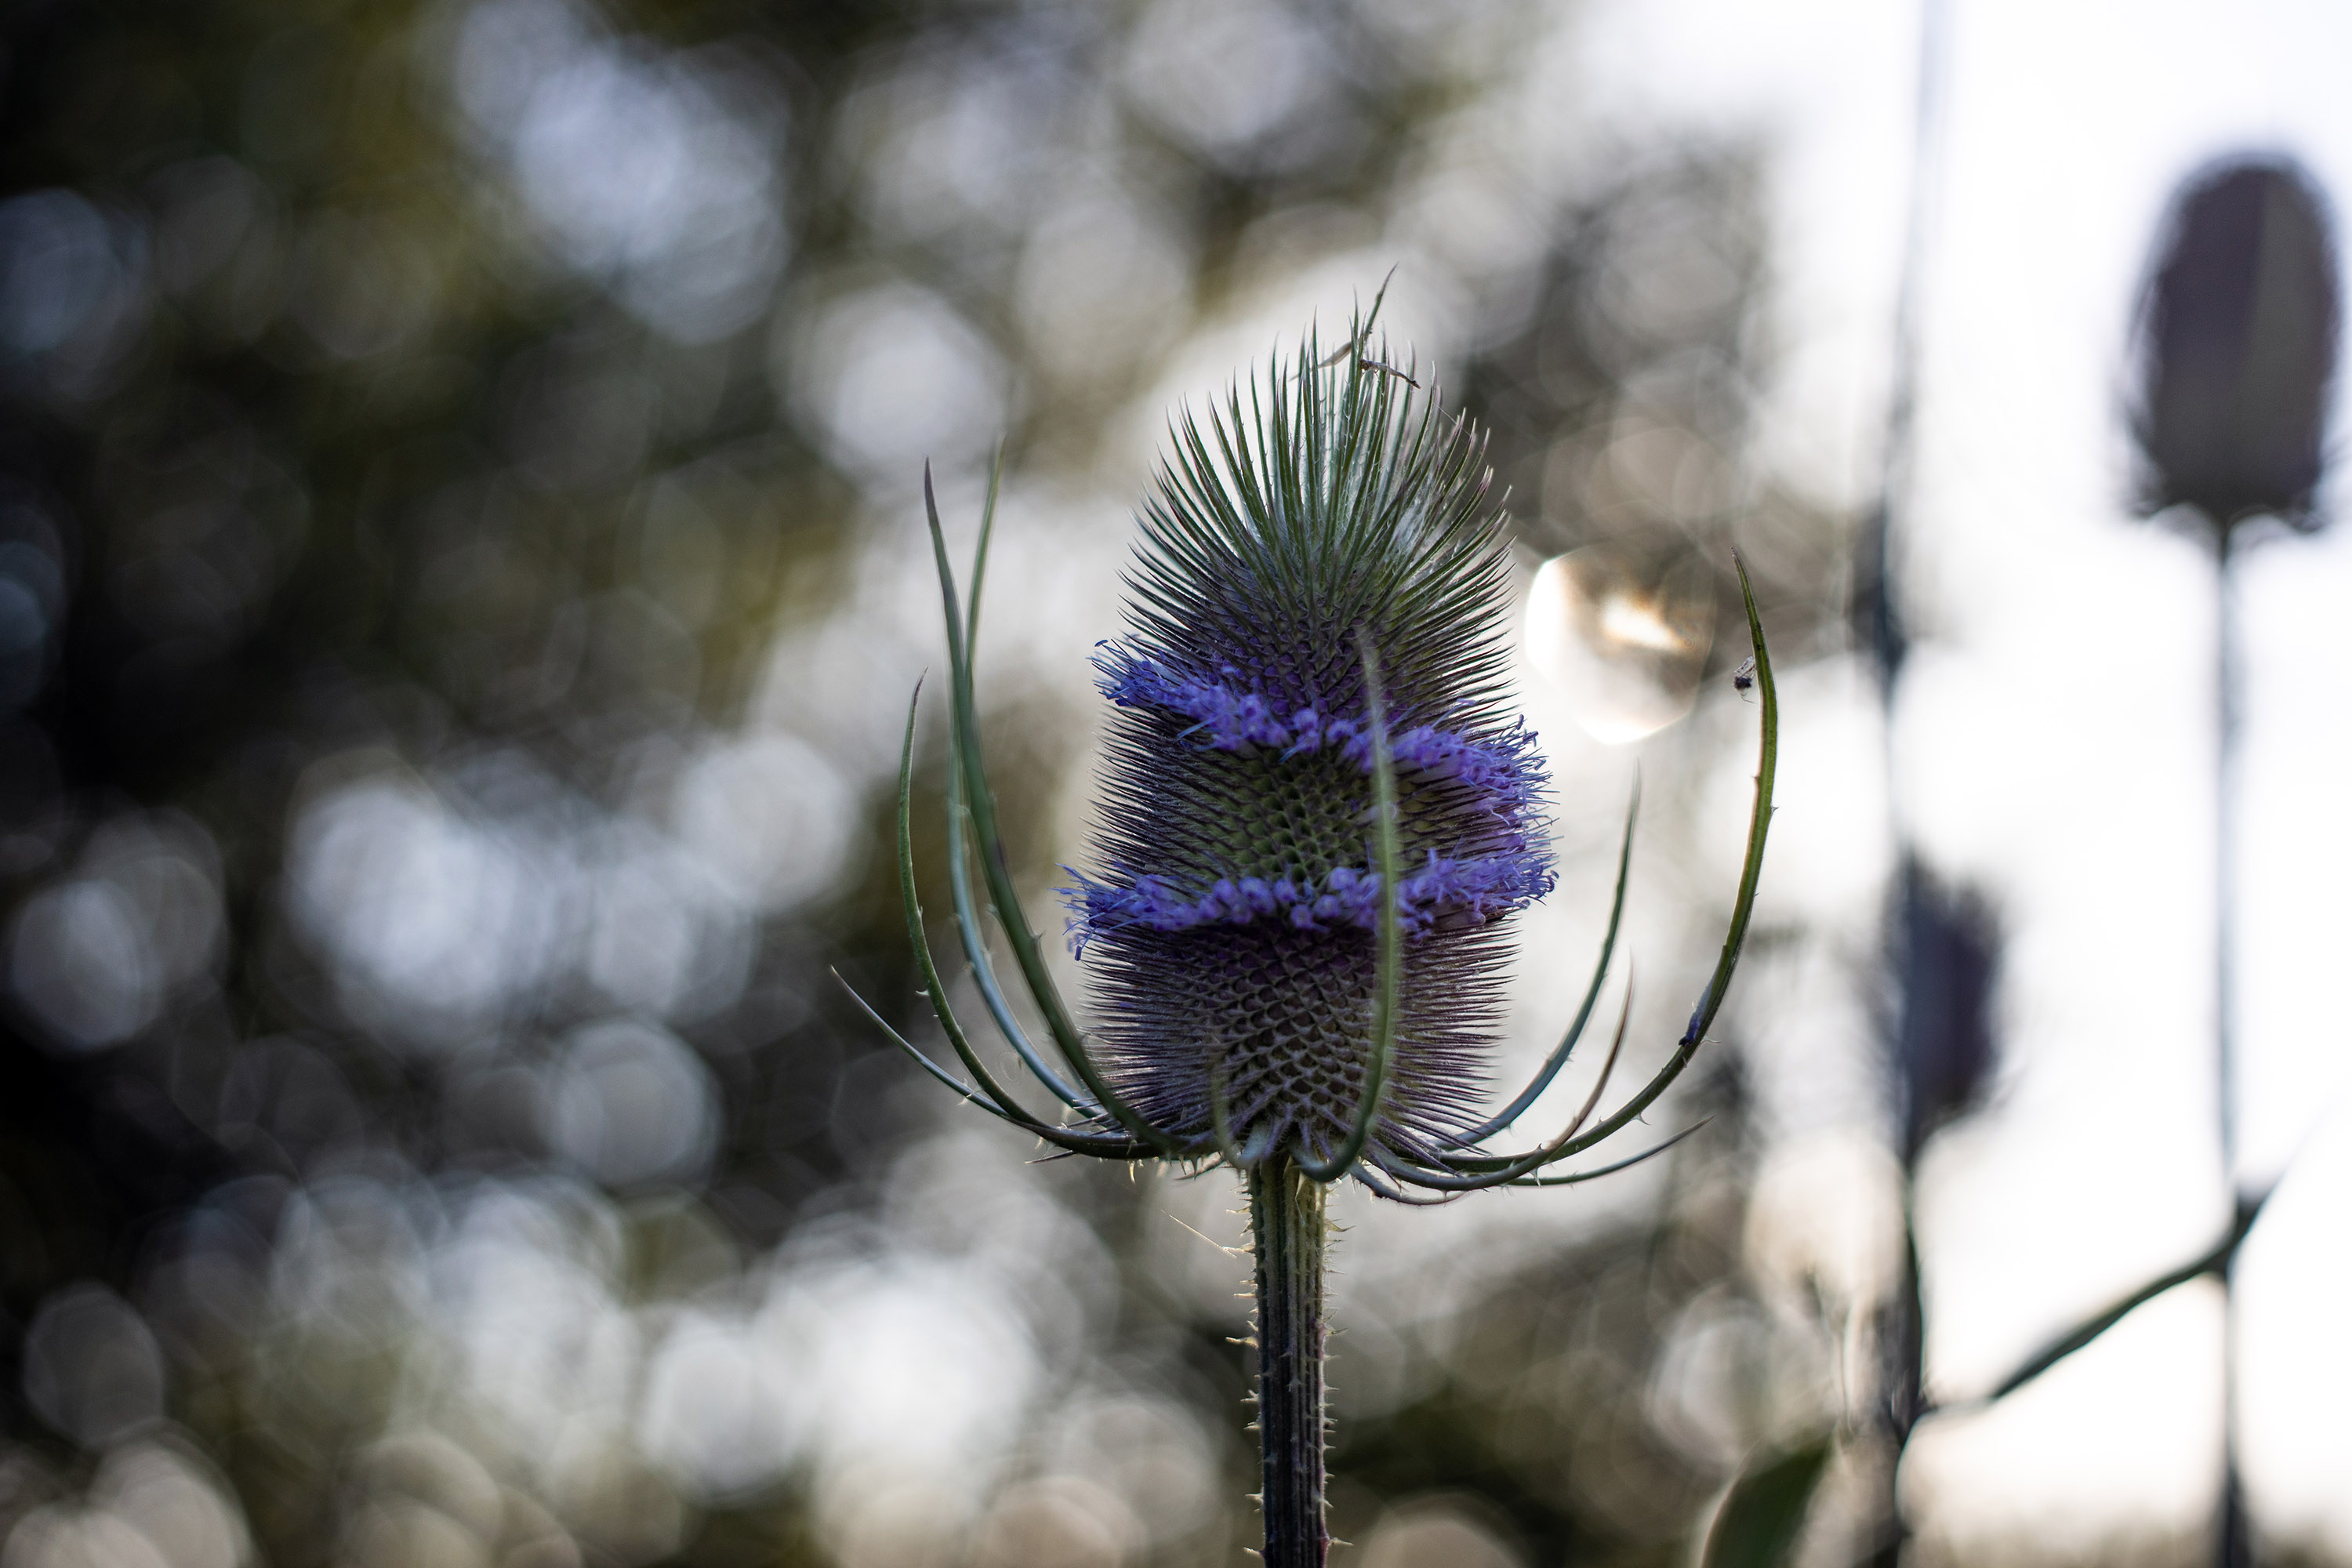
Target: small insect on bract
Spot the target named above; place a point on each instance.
(1743, 680)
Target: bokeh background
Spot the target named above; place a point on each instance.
(461, 575)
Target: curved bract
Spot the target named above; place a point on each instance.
(1319, 813)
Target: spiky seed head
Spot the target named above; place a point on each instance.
(1228, 922)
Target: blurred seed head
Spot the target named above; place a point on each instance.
(2239, 348)
(1949, 954)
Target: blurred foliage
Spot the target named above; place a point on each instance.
(1764, 1513)
(447, 451)
(1621, 395)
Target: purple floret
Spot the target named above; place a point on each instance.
(1494, 864)
(1225, 718)
(1451, 893)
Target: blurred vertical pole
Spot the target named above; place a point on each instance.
(2233, 1544)
(1876, 614)
(1944, 956)
(2238, 358)
(1879, 627)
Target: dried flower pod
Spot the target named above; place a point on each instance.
(1946, 948)
(2239, 347)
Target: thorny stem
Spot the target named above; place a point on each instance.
(1288, 1226)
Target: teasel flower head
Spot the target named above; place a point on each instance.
(1327, 535)
(1319, 813)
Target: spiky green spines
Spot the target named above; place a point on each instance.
(1230, 929)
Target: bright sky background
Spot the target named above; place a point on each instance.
(2055, 737)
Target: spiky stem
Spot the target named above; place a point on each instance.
(1287, 1226)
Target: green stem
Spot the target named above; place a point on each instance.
(1286, 1224)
